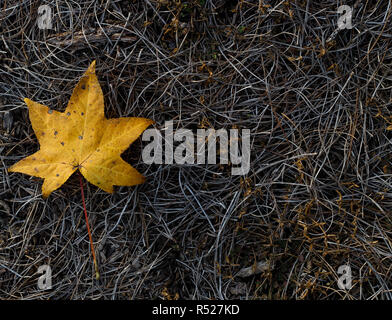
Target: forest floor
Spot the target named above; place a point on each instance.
(316, 205)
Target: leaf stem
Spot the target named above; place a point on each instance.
(88, 229)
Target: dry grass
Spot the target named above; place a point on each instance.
(318, 194)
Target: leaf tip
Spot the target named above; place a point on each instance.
(45, 191)
(140, 179)
(91, 68)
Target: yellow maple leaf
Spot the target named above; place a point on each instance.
(82, 138)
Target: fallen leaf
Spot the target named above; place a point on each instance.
(82, 138)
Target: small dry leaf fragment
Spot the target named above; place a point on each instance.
(256, 268)
(81, 138)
